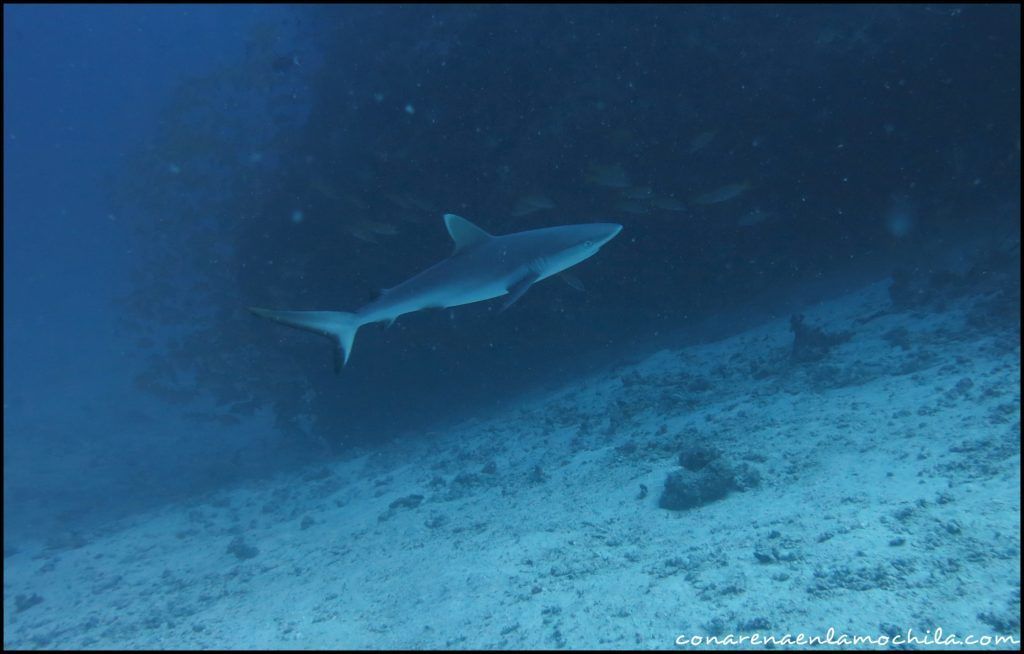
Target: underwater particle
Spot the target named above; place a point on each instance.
(255, 157)
(378, 97)
(173, 168)
(297, 216)
(409, 109)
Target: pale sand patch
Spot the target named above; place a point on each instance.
(888, 499)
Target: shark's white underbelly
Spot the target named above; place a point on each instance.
(456, 297)
(393, 305)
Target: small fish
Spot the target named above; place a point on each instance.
(755, 217)
(353, 200)
(362, 234)
(612, 176)
(621, 138)
(638, 193)
(384, 229)
(523, 210)
(542, 201)
(420, 203)
(631, 206)
(700, 141)
(531, 203)
(668, 204)
(400, 200)
(282, 63)
(318, 184)
(723, 194)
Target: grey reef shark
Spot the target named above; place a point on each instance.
(482, 267)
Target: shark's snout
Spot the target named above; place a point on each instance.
(611, 230)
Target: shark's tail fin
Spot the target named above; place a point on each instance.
(339, 326)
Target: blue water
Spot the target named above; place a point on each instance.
(168, 166)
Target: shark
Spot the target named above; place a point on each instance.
(483, 266)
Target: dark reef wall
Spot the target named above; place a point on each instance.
(764, 146)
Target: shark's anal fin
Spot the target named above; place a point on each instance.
(515, 291)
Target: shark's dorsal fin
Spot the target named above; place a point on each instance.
(464, 233)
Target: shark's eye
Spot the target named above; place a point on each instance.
(588, 244)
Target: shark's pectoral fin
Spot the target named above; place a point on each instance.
(515, 291)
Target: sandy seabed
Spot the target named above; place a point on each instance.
(875, 489)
